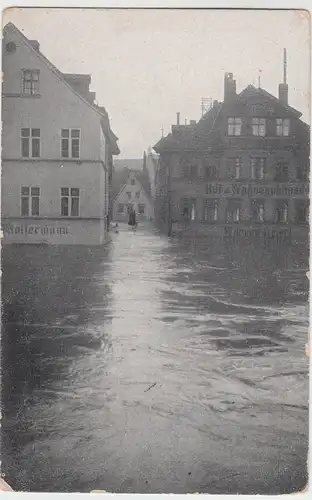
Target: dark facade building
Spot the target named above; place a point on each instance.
(242, 169)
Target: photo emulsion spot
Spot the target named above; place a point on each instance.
(155, 250)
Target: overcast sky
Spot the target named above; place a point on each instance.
(148, 64)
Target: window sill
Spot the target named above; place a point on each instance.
(31, 96)
(51, 217)
(44, 159)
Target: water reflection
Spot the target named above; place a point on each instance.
(155, 366)
(55, 306)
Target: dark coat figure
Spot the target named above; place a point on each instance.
(132, 217)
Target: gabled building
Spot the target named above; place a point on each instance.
(242, 169)
(132, 190)
(57, 148)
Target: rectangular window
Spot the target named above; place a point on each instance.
(302, 173)
(30, 201)
(30, 142)
(282, 126)
(141, 208)
(235, 168)
(185, 209)
(74, 193)
(257, 210)
(302, 212)
(211, 210)
(189, 171)
(210, 172)
(188, 208)
(25, 200)
(70, 202)
(121, 208)
(281, 172)
(132, 182)
(137, 195)
(258, 126)
(281, 212)
(70, 143)
(257, 168)
(30, 81)
(234, 126)
(233, 211)
(129, 195)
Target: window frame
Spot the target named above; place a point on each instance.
(258, 164)
(256, 204)
(70, 139)
(257, 127)
(234, 167)
(279, 208)
(67, 198)
(305, 208)
(283, 165)
(233, 206)
(210, 172)
(213, 204)
(232, 123)
(31, 195)
(31, 139)
(281, 127)
(34, 88)
(140, 205)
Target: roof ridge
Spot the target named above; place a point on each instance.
(272, 96)
(51, 66)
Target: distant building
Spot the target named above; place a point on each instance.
(242, 169)
(131, 189)
(57, 151)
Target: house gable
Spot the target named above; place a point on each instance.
(62, 105)
(133, 193)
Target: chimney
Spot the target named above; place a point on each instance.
(283, 87)
(229, 87)
(178, 118)
(35, 44)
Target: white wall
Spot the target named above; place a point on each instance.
(123, 198)
(50, 177)
(57, 107)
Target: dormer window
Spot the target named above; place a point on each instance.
(258, 126)
(282, 126)
(234, 126)
(30, 81)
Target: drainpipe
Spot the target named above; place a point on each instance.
(169, 202)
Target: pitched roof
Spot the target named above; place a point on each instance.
(205, 131)
(121, 176)
(190, 136)
(67, 79)
(251, 91)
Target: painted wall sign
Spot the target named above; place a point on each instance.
(251, 190)
(31, 229)
(270, 233)
(53, 231)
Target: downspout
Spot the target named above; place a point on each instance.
(169, 202)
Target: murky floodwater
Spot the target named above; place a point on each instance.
(153, 366)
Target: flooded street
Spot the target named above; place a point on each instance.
(154, 366)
